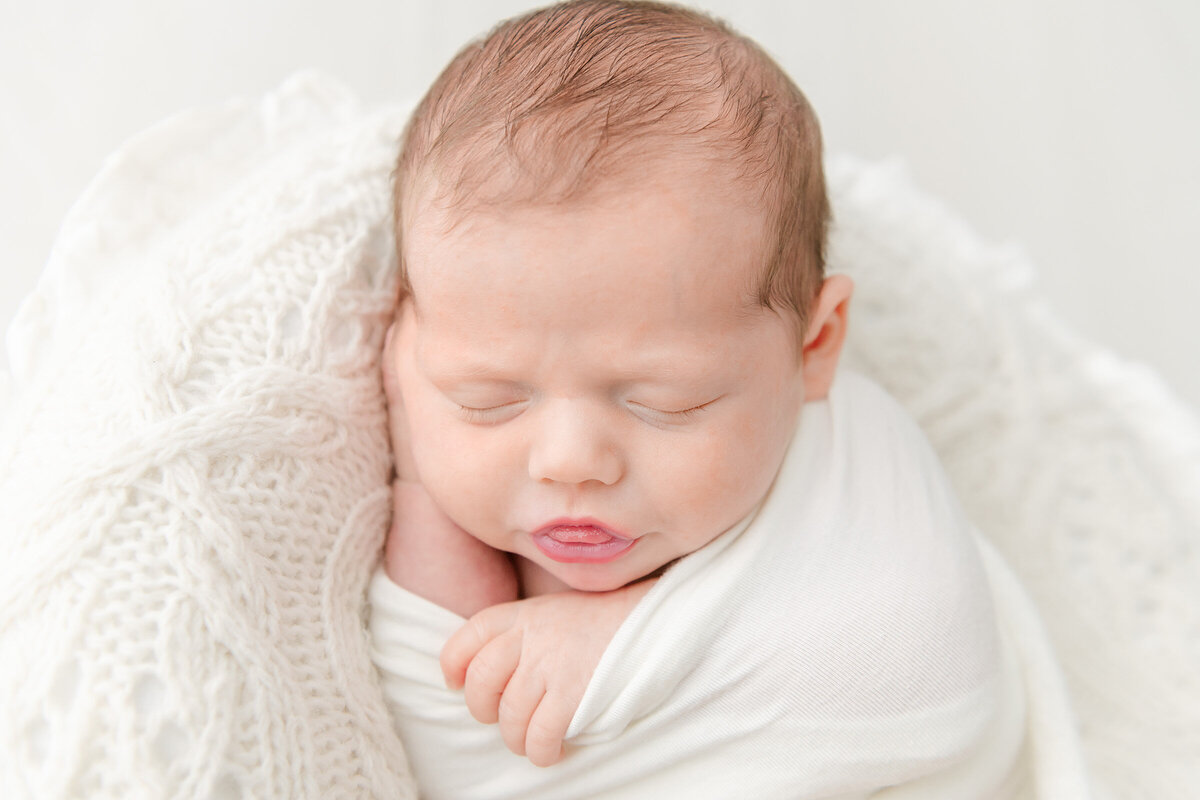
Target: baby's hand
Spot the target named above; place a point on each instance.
(527, 663)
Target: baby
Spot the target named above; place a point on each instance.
(687, 545)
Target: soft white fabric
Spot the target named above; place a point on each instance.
(193, 478)
(1081, 469)
(183, 581)
(840, 641)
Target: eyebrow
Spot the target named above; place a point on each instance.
(662, 364)
(658, 370)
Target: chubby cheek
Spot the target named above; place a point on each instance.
(457, 469)
(461, 475)
(725, 474)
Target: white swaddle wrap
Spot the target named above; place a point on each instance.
(839, 641)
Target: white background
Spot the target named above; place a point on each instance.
(1071, 127)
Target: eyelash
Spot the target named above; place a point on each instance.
(480, 416)
(683, 416)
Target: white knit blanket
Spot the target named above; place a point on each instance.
(193, 467)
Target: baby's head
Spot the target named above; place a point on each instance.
(611, 223)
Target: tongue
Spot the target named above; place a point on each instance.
(572, 535)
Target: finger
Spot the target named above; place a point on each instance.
(488, 676)
(518, 702)
(460, 649)
(546, 730)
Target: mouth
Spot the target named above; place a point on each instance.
(582, 541)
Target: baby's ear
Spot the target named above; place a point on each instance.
(825, 335)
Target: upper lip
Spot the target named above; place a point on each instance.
(581, 522)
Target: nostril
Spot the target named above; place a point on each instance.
(600, 468)
(573, 443)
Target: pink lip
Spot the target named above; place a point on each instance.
(581, 541)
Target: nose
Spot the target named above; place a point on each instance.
(572, 446)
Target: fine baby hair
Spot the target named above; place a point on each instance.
(577, 98)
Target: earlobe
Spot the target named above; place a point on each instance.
(825, 335)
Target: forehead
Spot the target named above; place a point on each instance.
(684, 239)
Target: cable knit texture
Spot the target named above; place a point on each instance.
(194, 465)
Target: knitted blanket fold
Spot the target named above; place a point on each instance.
(194, 466)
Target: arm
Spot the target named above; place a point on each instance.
(526, 664)
(427, 554)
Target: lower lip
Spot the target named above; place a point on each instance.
(581, 544)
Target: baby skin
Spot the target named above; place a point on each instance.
(581, 394)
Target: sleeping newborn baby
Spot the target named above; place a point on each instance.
(698, 559)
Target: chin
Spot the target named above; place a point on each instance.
(582, 581)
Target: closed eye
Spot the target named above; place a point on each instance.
(490, 414)
(679, 416)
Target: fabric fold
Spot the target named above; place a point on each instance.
(839, 642)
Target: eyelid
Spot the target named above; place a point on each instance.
(683, 415)
(490, 414)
